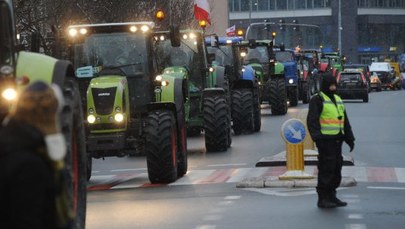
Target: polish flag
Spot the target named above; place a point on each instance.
(231, 31)
(202, 10)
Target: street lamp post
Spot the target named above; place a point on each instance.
(340, 27)
(250, 11)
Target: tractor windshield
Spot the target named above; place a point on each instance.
(284, 56)
(103, 51)
(258, 55)
(289, 34)
(223, 54)
(6, 37)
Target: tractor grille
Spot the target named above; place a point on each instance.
(104, 99)
(107, 126)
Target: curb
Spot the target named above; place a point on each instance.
(275, 182)
(310, 158)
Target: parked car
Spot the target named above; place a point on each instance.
(364, 68)
(352, 84)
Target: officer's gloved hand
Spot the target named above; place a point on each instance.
(351, 145)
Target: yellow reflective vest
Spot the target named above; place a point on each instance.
(332, 118)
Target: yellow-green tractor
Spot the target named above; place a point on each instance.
(18, 69)
(131, 108)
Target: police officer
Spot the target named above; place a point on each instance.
(329, 126)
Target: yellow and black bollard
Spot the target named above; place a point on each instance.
(294, 132)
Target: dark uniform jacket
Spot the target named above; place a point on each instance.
(314, 126)
(26, 180)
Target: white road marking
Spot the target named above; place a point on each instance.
(386, 188)
(128, 170)
(227, 165)
(356, 226)
(400, 172)
(232, 197)
(283, 191)
(206, 227)
(355, 216)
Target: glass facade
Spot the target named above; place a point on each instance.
(381, 3)
(269, 5)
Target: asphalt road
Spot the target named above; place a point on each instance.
(207, 197)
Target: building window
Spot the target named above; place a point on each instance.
(319, 3)
(244, 5)
(281, 4)
(272, 5)
(299, 4)
(310, 4)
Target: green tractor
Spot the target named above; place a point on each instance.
(243, 83)
(260, 55)
(208, 99)
(18, 69)
(131, 108)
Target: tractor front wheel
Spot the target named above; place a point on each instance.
(161, 146)
(216, 123)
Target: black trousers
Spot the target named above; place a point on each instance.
(330, 161)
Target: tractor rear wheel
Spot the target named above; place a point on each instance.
(278, 96)
(306, 94)
(161, 146)
(242, 111)
(216, 123)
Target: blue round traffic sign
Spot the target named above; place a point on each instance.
(293, 131)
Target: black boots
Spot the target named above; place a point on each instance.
(334, 199)
(326, 203)
(329, 200)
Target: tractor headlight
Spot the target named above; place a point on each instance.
(9, 94)
(290, 81)
(145, 28)
(159, 78)
(118, 117)
(91, 119)
(72, 32)
(243, 54)
(211, 69)
(83, 31)
(165, 83)
(91, 110)
(133, 29)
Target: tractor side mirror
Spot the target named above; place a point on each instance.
(175, 39)
(35, 41)
(214, 41)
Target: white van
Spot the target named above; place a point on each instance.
(384, 71)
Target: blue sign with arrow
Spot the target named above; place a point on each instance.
(293, 131)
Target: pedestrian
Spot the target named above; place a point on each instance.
(329, 126)
(32, 150)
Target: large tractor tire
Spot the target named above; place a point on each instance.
(306, 93)
(293, 96)
(76, 157)
(242, 111)
(216, 123)
(257, 112)
(278, 96)
(161, 146)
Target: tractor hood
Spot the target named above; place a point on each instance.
(290, 69)
(176, 72)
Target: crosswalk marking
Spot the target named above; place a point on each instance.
(136, 178)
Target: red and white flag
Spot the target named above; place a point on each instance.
(231, 31)
(202, 10)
